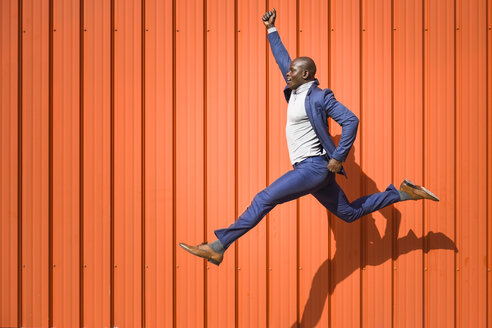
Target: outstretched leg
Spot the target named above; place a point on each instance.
(334, 199)
(307, 177)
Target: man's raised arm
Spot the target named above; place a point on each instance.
(278, 49)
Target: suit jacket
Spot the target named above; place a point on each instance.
(320, 104)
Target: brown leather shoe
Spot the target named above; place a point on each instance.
(205, 251)
(417, 192)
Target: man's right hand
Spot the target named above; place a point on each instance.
(269, 18)
(334, 165)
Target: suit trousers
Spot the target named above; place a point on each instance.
(310, 176)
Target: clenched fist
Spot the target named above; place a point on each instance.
(334, 165)
(269, 18)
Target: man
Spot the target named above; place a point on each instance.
(313, 154)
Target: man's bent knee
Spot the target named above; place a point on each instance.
(349, 217)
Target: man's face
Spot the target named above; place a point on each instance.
(296, 75)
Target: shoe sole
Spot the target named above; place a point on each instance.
(203, 257)
(428, 192)
(214, 262)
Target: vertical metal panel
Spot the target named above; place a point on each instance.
(189, 160)
(159, 163)
(282, 257)
(127, 163)
(197, 129)
(252, 160)
(489, 163)
(471, 137)
(9, 78)
(314, 227)
(346, 242)
(376, 142)
(97, 163)
(35, 170)
(407, 161)
(66, 163)
(439, 164)
(221, 153)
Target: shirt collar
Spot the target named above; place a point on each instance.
(303, 87)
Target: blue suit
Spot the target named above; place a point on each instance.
(311, 176)
(319, 105)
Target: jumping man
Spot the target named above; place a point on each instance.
(315, 158)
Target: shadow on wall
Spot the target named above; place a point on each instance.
(325, 280)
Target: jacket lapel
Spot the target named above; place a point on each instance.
(318, 122)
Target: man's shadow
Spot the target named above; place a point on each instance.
(326, 280)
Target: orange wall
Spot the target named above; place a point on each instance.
(128, 126)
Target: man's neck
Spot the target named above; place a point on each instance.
(304, 87)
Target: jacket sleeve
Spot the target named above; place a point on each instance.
(346, 119)
(279, 52)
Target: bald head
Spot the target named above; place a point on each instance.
(301, 70)
(306, 64)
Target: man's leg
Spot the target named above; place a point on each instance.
(307, 177)
(334, 199)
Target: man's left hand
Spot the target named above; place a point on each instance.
(334, 165)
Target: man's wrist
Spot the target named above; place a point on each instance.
(271, 28)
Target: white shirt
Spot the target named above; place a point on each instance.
(302, 141)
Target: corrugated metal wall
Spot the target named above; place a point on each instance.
(128, 126)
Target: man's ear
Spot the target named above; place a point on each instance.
(305, 75)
